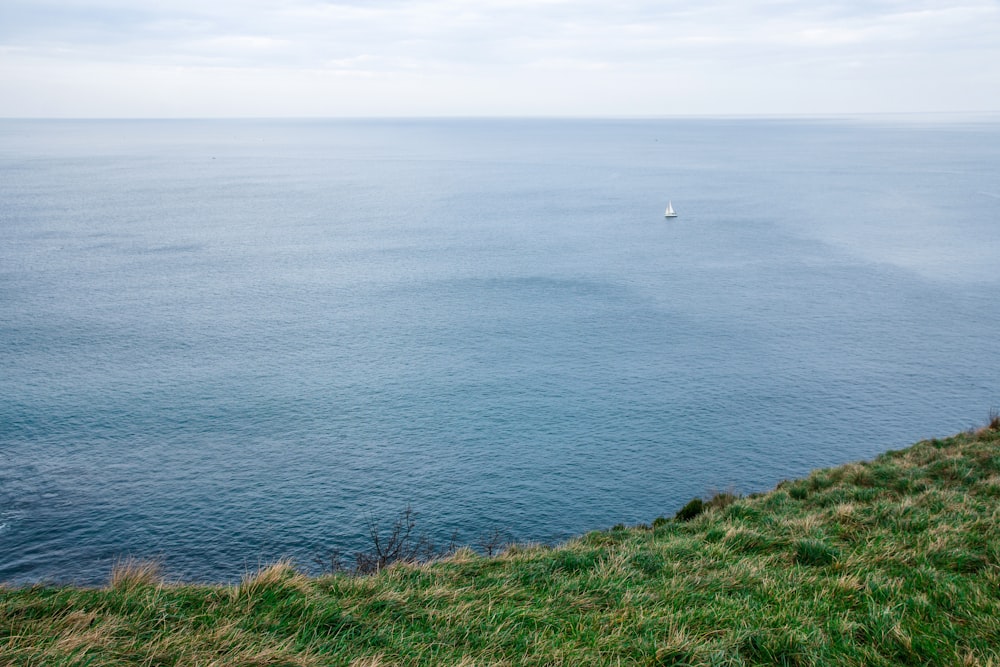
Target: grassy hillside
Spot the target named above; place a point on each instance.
(890, 562)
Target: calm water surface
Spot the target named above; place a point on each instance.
(224, 342)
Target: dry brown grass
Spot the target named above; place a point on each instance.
(281, 573)
(132, 572)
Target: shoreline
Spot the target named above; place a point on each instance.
(889, 561)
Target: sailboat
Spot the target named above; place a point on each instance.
(670, 211)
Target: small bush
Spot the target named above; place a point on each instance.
(694, 507)
(660, 521)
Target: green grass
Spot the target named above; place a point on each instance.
(890, 562)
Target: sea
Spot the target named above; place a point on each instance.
(228, 342)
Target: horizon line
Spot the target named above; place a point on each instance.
(517, 117)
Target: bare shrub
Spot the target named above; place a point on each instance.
(335, 561)
(400, 543)
(494, 542)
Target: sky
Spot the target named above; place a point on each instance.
(497, 58)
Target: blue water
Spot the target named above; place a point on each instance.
(225, 342)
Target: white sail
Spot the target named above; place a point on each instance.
(670, 211)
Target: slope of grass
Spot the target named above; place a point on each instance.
(890, 562)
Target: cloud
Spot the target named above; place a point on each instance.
(721, 56)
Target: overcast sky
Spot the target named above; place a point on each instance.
(167, 58)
